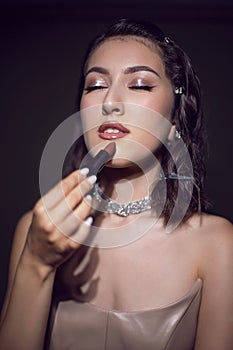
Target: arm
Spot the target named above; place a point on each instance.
(215, 325)
(39, 248)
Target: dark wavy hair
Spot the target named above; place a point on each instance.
(187, 114)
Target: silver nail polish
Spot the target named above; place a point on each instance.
(89, 221)
(92, 179)
(84, 171)
(88, 197)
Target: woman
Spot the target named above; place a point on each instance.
(150, 290)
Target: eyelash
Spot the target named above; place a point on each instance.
(95, 87)
(142, 87)
(99, 87)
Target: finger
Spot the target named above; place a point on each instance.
(65, 246)
(60, 212)
(77, 194)
(71, 223)
(83, 231)
(57, 193)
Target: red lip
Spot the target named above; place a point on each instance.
(111, 135)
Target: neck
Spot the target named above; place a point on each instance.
(129, 184)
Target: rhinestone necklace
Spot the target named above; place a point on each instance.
(108, 205)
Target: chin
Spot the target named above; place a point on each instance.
(120, 163)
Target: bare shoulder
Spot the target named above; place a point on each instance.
(211, 227)
(210, 239)
(214, 252)
(218, 222)
(216, 229)
(214, 244)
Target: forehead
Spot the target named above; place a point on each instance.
(126, 50)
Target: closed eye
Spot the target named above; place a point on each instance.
(94, 87)
(142, 87)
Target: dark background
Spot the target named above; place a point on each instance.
(42, 45)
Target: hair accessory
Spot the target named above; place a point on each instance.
(112, 207)
(174, 176)
(179, 90)
(167, 40)
(177, 135)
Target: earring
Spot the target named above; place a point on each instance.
(177, 135)
(179, 90)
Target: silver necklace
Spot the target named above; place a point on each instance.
(108, 205)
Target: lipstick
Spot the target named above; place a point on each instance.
(112, 130)
(97, 163)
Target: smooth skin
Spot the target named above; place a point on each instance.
(153, 271)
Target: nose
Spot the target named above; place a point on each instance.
(113, 104)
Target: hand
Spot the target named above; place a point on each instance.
(59, 223)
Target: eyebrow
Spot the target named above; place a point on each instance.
(128, 70)
(134, 69)
(97, 69)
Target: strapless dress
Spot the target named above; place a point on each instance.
(84, 326)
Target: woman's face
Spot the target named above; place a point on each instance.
(128, 99)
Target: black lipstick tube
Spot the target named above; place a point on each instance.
(97, 163)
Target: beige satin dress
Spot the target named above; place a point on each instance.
(84, 326)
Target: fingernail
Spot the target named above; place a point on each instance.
(89, 221)
(92, 179)
(84, 171)
(88, 197)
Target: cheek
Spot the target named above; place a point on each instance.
(91, 100)
(84, 102)
(149, 125)
(91, 119)
(91, 116)
(162, 104)
(152, 140)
